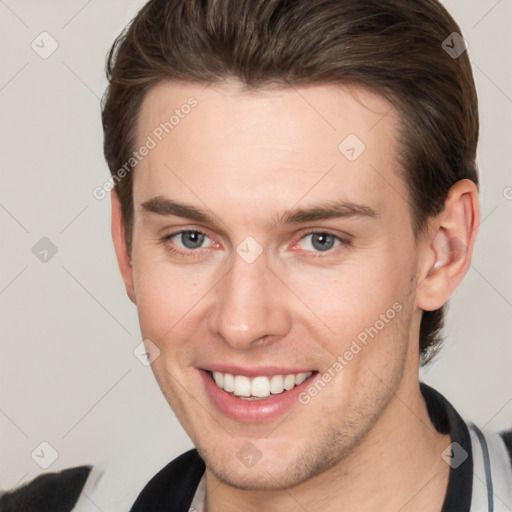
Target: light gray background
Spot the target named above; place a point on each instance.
(68, 375)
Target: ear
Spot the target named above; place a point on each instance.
(118, 237)
(449, 246)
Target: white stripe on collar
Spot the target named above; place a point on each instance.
(200, 496)
(492, 472)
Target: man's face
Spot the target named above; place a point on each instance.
(262, 290)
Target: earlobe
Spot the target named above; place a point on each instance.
(450, 245)
(124, 260)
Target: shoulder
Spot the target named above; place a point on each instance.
(480, 459)
(492, 455)
(49, 492)
(494, 446)
(507, 439)
(173, 487)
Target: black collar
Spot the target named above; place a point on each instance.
(448, 421)
(173, 488)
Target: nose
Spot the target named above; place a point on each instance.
(250, 305)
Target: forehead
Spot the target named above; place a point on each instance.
(279, 144)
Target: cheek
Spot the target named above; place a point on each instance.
(351, 296)
(167, 299)
(365, 304)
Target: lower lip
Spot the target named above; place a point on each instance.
(253, 411)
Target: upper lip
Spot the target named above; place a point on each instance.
(255, 371)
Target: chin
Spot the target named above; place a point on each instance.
(261, 477)
(278, 468)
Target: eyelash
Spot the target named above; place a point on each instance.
(344, 243)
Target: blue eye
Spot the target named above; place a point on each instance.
(322, 242)
(190, 239)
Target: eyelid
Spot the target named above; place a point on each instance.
(343, 237)
(176, 230)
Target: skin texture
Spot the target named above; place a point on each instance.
(246, 158)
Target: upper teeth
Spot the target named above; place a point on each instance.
(258, 386)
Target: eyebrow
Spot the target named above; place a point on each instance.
(326, 211)
(162, 206)
(330, 210)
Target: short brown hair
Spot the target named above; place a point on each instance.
(394, 47)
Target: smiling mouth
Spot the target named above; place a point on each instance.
(260, 387)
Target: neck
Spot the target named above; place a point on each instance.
(396, 466)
